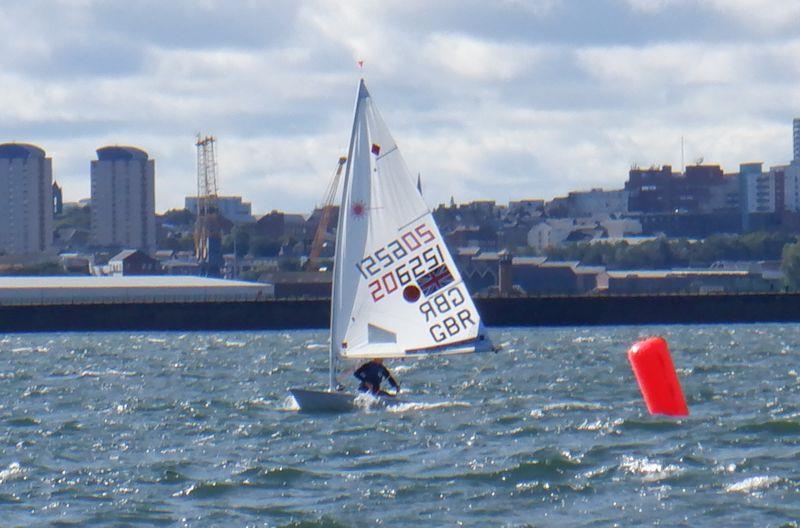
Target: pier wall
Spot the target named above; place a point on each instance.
(297, 314)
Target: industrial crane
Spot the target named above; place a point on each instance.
(326, 215)
(207, 233)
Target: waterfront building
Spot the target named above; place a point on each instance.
(761, 196)
(123, 199)
(154, 290)
(133, 262)
(231, 207)
(796, 140)
(757, 188)
(26, 200)
(791, 184)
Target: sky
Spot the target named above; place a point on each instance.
(497, 100)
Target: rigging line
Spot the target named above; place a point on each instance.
(386, 153)
(414, 220)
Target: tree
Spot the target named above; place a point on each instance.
(790, 265)
(239, 238)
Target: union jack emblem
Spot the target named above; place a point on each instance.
(435, 280)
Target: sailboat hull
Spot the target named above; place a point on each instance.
(327, 401)
(323, 401)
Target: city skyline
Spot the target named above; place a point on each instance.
(529, 99)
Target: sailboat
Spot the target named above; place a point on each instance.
(397, 292)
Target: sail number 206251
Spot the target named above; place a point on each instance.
(399, 262)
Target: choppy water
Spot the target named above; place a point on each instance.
(197, 430)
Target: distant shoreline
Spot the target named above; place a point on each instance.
(314, 313)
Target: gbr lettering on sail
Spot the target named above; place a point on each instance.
(413, 265)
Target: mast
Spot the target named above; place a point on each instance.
(338, 256)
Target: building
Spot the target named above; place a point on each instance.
(133, 262)
(796, 140)
(281, 226)
(231, 207)
(791, 185)
(123, 199)
(298, 284)
(650, 190)
(26, 200)
(761, 196)
(15, 291)
(651, 282)
(589, 203)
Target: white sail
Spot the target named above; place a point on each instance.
(396, 290)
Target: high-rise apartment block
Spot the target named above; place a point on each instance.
(796, 137)
(123, 199)
(26, 200)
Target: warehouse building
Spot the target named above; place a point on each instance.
(16, 291)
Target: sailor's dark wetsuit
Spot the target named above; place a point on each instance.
(373, 373)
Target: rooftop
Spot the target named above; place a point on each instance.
(20, 150)
(117, 153)
(148, 281)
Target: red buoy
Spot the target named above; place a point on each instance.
(657, 378)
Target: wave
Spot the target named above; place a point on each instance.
(23, 421)
(13, 471)
(204, 490)
(651, 424)
(552, 408)
(777, 426)
(544, 466)
(419, 406)
(273, 477)
(752, 484)
(650, 470)
(25, 350)
(324, 522)
(606, 426)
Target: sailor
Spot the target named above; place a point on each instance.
(371, 374)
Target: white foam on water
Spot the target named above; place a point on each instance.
(401, 368)
(606, 426)
(13, 471)
(413, 406)
(752, 484)
(565, 406)
(316, 346)
(651, 471)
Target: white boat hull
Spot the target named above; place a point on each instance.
(327, 401)
(323, 401)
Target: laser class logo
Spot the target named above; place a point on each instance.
(358, 209)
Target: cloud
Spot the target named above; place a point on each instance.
(516, 98)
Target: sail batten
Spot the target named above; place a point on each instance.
(397, 291)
